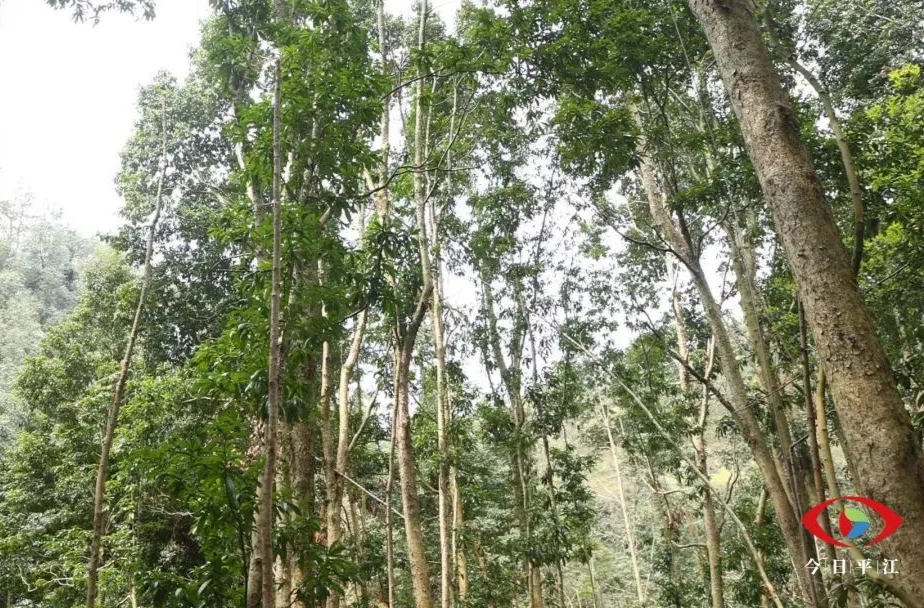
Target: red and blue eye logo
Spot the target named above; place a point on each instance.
(853, 522)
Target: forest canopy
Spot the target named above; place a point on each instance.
(554, 303)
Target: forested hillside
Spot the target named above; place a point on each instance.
(552, 303)
(41, 263)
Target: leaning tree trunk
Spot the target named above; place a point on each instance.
(118, 394)
(879, 436)
(740, 410)
(624, 507)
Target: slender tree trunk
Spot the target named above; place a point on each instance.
(405, 339)
(458, 513)
(877, 429)
(389, 505)
(791, 471)
(748, 299)
(811, 425)
(334, 530)
(255, 569)
(118, 393)
(443, 409)
(624, 507)
(741, 411)
(593, 582)
(553, 504)
(266, 510)
(710, 524)
(511, 374)
(742, 528)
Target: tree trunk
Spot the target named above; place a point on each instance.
(623, 506)
(745, 534)
(843, 146)
(443, 409)
(593, 582)
(710, 524)
(406, 338)
(812, 439)
(118, 393)
(458, 514)
(389, 505)
(791, 472)
(266, 510)
(511, 374)
(742, 411)
(877, 429)
(417, 554)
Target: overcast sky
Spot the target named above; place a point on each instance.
(68, 101)
(68, 97)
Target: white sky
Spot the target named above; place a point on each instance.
(69, 102)
(69, 92)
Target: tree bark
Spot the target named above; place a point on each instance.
(458, 514)
(877, 429)
(266, 510)
(389, 508)
(742, 411)
(624, 507)
(118, 393)
(405, 340)
(710, 524)
(840, 138)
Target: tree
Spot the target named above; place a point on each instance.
(877, 435)
(82, 9)
(118, 394)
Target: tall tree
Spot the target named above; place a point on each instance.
(118, 393)
(876, 426)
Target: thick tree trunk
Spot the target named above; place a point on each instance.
(118, 393)
(840, 138)
(879, 437)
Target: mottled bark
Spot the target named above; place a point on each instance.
(265, 514)
(879, 436)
